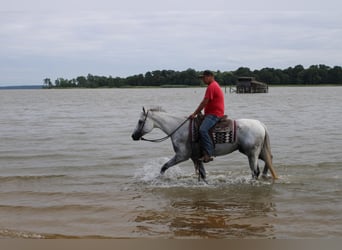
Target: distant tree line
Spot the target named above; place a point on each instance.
(315, 74)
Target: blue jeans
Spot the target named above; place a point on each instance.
(208, 122)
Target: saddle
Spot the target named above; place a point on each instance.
(224, 130)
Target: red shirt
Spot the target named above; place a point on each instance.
(215, 96)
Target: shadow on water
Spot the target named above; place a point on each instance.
(183, 208)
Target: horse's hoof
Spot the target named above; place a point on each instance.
(205, 181)
(265, 177)
(162, 171)
(256, 173)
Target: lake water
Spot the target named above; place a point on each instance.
(69, 168)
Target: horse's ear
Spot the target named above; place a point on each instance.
(144, 110)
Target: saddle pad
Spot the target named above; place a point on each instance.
(223, 132)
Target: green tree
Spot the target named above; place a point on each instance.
(315, 74)
(311, 75)
(243, 71)
(81, 82)
(47, 83)
(62, 83)
(335, 75)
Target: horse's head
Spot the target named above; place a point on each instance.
(144, 126)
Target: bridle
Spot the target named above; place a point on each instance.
(161, 139)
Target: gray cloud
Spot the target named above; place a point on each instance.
(67, 43)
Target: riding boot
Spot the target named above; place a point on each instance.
(206, 158)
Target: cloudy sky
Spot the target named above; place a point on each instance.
(69, 38)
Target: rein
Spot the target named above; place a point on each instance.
(164, 138)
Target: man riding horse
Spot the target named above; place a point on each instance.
(213, 105)
(250, 136)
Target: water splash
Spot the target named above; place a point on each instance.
(150, 173)
(178, 176)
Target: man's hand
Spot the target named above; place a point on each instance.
(199, 109)
(192, 116)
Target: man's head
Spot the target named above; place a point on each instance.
(207, 77)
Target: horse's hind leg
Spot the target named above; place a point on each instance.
(254, 166)
(265, 170)
(266, 156)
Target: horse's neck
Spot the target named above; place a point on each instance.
(165, 122)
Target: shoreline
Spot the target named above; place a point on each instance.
(34, 87)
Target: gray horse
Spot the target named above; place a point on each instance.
(251, 139)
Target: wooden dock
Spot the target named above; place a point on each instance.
(250, 85)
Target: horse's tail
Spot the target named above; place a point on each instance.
(267, 154)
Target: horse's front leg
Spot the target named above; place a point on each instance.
(200, 170)
(174, 161)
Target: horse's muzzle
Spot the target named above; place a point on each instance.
(136, 137)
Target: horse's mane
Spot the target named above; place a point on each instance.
(157, 109)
